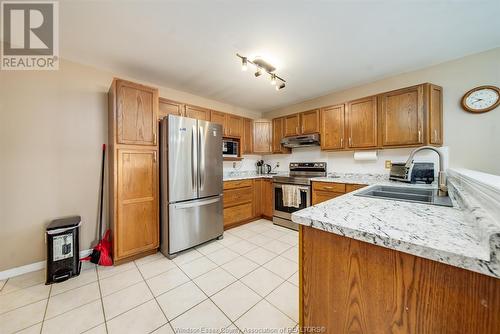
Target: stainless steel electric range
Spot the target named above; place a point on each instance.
(301, 174)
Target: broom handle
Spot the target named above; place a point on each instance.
(102, 190)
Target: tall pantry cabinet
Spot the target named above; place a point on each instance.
(133, 169)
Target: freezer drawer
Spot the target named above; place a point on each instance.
(194, 222)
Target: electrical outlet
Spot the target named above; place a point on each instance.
(388, 164)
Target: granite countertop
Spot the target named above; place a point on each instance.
(462, 236)
(233, 176)
(354, 178)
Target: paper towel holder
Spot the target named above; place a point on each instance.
(365, 155)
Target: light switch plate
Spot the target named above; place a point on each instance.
(388, 164)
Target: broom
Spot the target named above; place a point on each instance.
(101, 254)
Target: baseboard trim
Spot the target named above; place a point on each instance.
(32, 267)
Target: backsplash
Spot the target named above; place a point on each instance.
(341, 162)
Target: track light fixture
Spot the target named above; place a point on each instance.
(263, 67)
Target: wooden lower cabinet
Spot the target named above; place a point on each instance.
(246, 200)
(257, 197)
(350, 286)
(324, 191)
(267, 198)
(136, 225)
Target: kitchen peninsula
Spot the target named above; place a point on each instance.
(370, 265)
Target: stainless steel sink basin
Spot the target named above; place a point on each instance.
(406, 194)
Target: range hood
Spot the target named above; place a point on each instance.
(301, 141)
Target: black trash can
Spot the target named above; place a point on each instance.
(63, 249)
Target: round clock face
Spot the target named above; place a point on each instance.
(481, 99)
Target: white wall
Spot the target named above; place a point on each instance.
(473, 139)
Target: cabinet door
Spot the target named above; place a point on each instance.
(361, 119)
(402, 113)
(168, 107)
(219, 118)
(332, 127)
(435, 115)
(136, 113)
(291, 125)
(234, 125)
(277, 135)
(197, 112)
(247, 138)
(262, 137)
(309, 122)
(137, 226)
(267, 197)
(257, 197)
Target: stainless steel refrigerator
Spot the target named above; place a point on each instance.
(191, 183)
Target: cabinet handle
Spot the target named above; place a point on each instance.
(154, 139)
(302, 129)
(436, 135)
(350, 141)
(341, 142)
(419, 135)
(154, 156)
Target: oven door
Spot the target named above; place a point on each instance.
(285, 212)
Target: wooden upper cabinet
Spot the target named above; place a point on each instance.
(277, 135)
(361, 123)
(402, 116)
(332, 127)
(234, 125)
(197, 112)
(435, 114)
(217, 117)
(168, 107)
(262, 136)
(247, 138)
(309, 122)
(291, 124)
(137, 225)
(136, 113)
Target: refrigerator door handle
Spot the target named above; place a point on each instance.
(196, 203)
(193, 159)
(201, 148)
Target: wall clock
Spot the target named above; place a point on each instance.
(481, 99)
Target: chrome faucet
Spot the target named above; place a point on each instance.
(443, 188)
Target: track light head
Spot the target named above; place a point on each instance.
(244, 64)
(273, 79)
(258, 74)
(280, 86)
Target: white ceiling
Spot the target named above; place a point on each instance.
(318, 46)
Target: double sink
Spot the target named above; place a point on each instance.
(406, 194)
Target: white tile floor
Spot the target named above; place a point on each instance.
(247, 281)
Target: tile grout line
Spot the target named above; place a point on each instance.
(101, 299)
(45, 311)
(154, 297)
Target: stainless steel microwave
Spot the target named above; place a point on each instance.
(230, 148)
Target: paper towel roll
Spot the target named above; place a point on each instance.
(365, 156)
